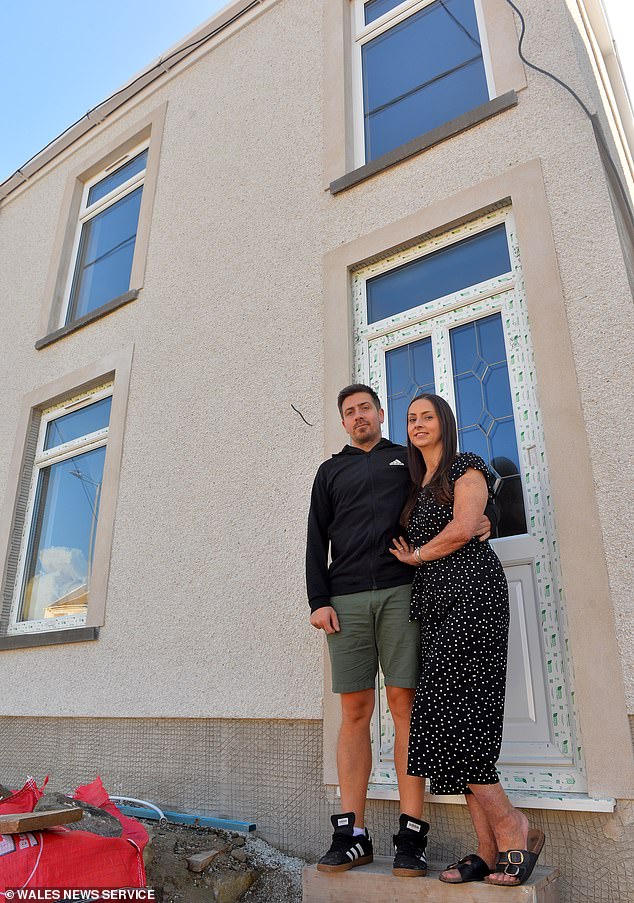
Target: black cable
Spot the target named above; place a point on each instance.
(161, 62)
(594, 121)
(538, 68)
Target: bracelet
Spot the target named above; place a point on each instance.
(419, 561)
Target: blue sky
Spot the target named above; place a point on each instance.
(61, 58)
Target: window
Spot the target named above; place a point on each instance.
(54, 573)
(419, 64)
(484, 409)
(101, 245)
(57, 520)
(438, 274)
(106, 236)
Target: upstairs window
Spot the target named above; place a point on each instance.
(106, 236)
(420, 63)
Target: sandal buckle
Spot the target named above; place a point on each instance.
(512, 870)
(515, 857)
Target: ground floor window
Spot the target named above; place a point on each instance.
(53, 585)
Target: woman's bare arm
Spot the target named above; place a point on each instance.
(470, 498)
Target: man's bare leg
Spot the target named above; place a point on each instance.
(354, 754)
(411, 789)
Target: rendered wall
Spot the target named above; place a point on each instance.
(216, 469)
(270, 772)
(205, 614)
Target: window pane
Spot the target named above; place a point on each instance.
(485, 411)
(105, 255)
(61, 542)
(118, 177)
(376, 8)
(409, 371)
(422, 72)
(420, 112)
(78, 423)
(449, 270)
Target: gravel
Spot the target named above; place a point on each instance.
(281, 879)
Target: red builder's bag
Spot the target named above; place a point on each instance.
(61, 858)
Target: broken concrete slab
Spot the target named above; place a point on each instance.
(228, 887)
(199, 861)
(95, 820)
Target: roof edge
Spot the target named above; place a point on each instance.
(192, 42)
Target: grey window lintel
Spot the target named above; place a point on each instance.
(88, 318)
(423, 142)
(49, 638)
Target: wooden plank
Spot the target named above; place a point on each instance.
(38, 821)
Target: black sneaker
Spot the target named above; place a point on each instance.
(409, 847)
(346, 850)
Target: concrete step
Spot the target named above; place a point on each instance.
(375, 883)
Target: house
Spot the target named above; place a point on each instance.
(299, 194)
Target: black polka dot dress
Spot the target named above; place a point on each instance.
(462, 604)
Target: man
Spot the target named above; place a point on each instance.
(362, 602)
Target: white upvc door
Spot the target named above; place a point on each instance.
(473, 347)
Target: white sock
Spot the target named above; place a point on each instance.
(358, 832)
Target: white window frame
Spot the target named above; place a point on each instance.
(82, 444)
(88, 212)
(362, 34)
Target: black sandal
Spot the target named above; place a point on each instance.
(471, 868)
(519, 864)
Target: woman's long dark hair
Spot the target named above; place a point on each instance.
(439, 486)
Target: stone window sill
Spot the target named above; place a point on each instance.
(423, 142)
(80, 322)
(49, 638)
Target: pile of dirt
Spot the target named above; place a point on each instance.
(203, 865)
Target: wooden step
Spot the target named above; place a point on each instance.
(375, 883)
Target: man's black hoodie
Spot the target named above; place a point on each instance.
(355, 507)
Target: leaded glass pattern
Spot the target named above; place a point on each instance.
(484, 410)
(409, 371)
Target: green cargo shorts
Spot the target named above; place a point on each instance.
(375, 629)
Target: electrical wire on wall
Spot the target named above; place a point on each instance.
(604, 150)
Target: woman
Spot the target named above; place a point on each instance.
(460, 597)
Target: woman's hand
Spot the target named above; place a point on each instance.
(403, 551)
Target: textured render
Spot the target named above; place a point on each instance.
(217, 466)
(270, 772)
(596, 290)
(227, 331)
(608, 401)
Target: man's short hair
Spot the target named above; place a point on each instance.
(352, 390)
